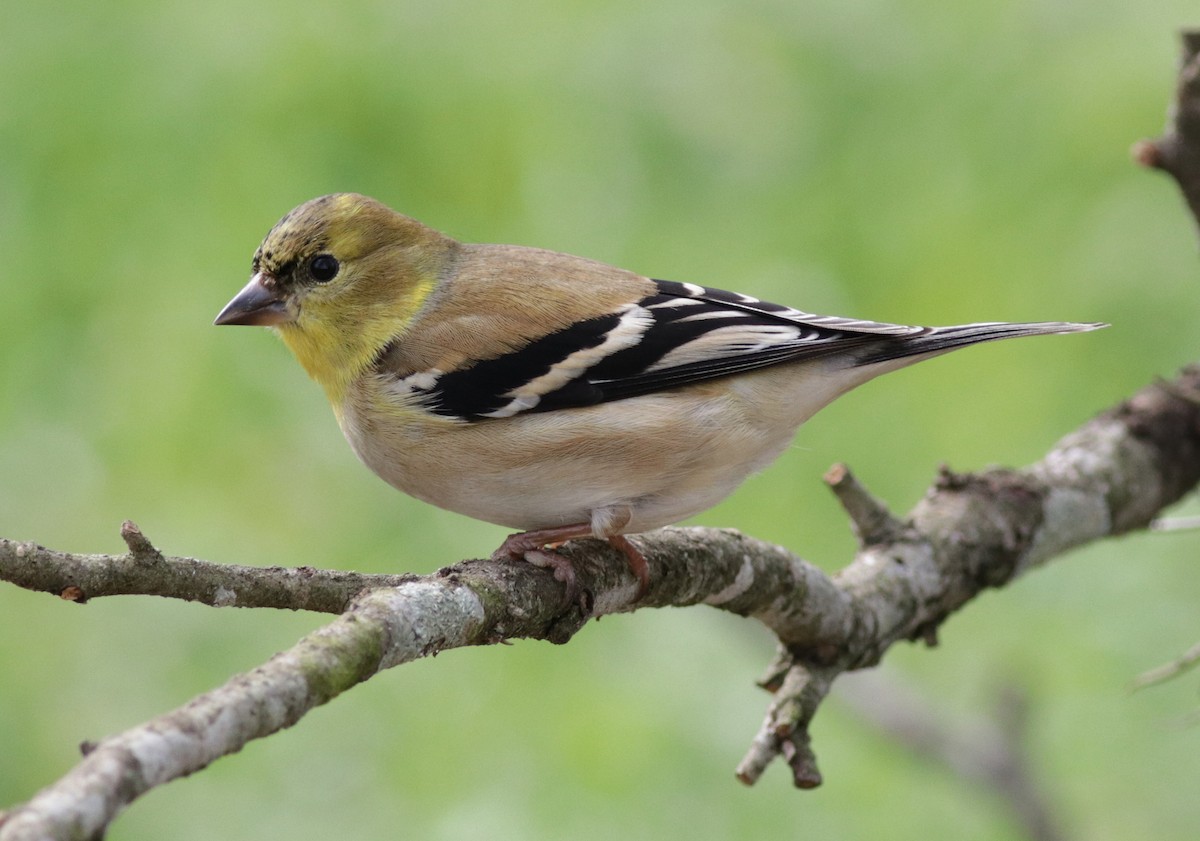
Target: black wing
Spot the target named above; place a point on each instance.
(682, 334)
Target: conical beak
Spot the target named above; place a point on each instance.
(259, 304)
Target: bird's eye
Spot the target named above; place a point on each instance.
(323, 268)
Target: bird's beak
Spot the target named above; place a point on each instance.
(259, 304)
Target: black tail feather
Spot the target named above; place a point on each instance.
(942, 339)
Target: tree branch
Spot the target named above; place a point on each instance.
(144, 571)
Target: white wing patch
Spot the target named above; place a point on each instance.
(420, 382)
(634, 321)
(729, 341)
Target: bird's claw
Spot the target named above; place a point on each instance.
(515, 548)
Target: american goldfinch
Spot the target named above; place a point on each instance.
(551, 393)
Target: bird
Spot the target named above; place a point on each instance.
(551, 394)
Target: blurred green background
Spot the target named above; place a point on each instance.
(909, 161)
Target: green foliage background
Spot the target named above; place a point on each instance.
(913, 161)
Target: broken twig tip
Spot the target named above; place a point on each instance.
(139, 545)
(1146, 153)
(836, 474)
(807, 780)
(802, 761)
(872, 521)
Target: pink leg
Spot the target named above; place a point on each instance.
(636, 561)
(528, 545)
(515, 546)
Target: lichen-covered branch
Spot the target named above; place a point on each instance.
(383, 628)
(144, 571)
(971, 532)
(474, 603)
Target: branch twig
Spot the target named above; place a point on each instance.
(1175, 152)
(144, 571)
(1184, 662)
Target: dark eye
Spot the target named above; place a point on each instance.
(323, 268)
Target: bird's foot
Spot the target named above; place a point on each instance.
(531, 546)
(560, 565)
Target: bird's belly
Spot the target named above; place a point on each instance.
(666, 457)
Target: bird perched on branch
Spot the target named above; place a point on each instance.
(551, 393)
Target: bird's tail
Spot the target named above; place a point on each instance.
(938, 340)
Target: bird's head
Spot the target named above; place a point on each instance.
(339, 278)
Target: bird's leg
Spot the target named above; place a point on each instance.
(636, 561)
(530, 546)
(608, 522)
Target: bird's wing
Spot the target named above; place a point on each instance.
(682, 333)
